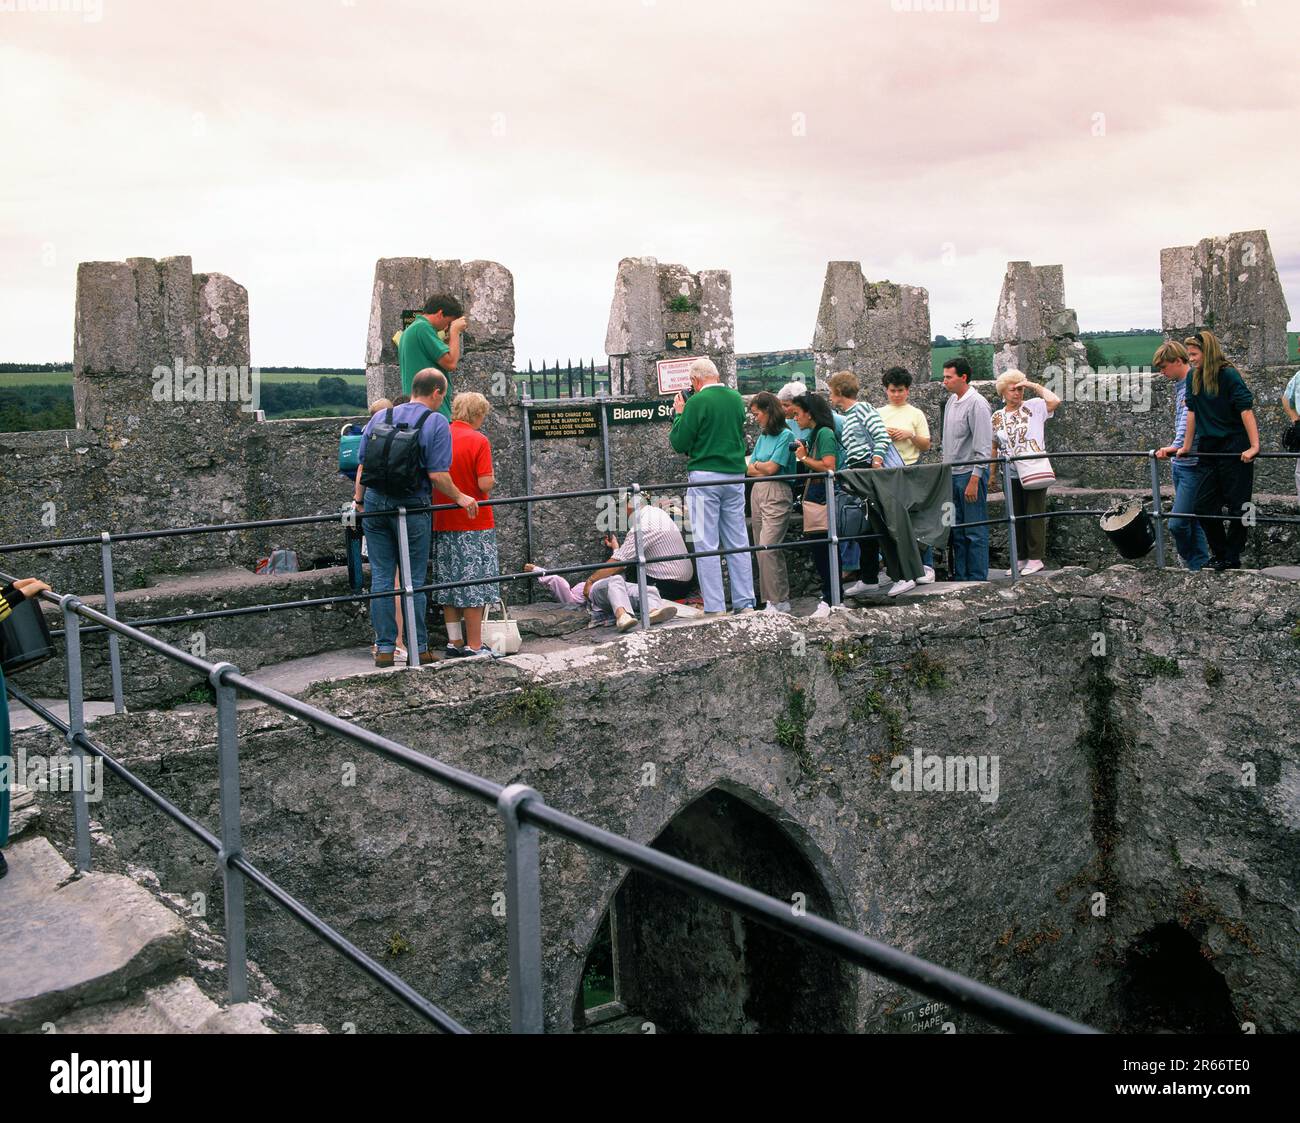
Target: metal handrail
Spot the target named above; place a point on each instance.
(299, 911)
(523, 811)
(407, 587)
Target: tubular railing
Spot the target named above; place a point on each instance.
(524, 814)
(406, 588)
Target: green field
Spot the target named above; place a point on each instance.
(64, 378)
(49, 405)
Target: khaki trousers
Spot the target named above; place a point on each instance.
(769, 508)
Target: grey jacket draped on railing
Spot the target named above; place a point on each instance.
(904, 507)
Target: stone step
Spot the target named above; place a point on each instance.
(24, 813)
(178, 1006)
(69, 942)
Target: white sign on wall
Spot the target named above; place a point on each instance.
(674, 374)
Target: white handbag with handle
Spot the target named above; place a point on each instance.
(501, 635)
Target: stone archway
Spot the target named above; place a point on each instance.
(688, 966)
(1169, 986)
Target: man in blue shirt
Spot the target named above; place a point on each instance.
(427, 392)
(1171, 360)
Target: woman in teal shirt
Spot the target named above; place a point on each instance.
(820, 454)
(770, 501)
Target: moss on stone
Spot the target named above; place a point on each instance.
(1162, 666)
(792, 728)
(927, 672)
(534, 705)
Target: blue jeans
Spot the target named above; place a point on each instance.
(719, 512)
(1188, 534)
(970, 545)
(383, 543)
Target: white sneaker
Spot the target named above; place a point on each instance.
(1030, 567)
(899, 587)
(860, 589)
(626, 622)
(926, 578)
(662, 613)
(822, 611)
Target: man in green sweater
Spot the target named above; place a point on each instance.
(421, 347)
(709, 430)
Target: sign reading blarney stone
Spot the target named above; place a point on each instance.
(584, 421)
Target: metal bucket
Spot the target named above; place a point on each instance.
(24, 638)
(1130, 529)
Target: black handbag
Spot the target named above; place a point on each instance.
(24, 638)
(1291, 437)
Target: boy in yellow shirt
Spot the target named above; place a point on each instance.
(907, 426)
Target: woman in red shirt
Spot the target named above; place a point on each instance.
(465, 548)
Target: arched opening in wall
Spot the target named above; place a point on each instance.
(1170, 987)
(688, 966)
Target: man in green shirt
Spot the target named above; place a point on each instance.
(709, 430)
(421, 347)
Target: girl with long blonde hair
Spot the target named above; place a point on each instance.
(1221, 425)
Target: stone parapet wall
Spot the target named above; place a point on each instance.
(653, 299)
(144, 464)
(869, 326)
(1229, 284)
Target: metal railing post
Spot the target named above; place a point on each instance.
(604, 443)
(523, 911)
(1157, 510)
(528, 483)
(110, 610)
(232, 881)
(76, 726)
(833, 539)
(407, 595)
(643, 601)
(1010, 505)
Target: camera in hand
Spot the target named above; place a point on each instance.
(686, 394)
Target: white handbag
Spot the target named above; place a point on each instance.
(502, 635)
(1034, 475)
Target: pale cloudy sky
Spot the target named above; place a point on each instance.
(290, 144)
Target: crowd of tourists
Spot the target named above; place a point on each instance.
(421, 450)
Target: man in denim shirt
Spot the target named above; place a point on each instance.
(428, 390)
(1171, 360)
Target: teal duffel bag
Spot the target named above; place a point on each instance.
(349, 448)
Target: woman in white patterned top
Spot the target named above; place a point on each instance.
(1018, 431)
